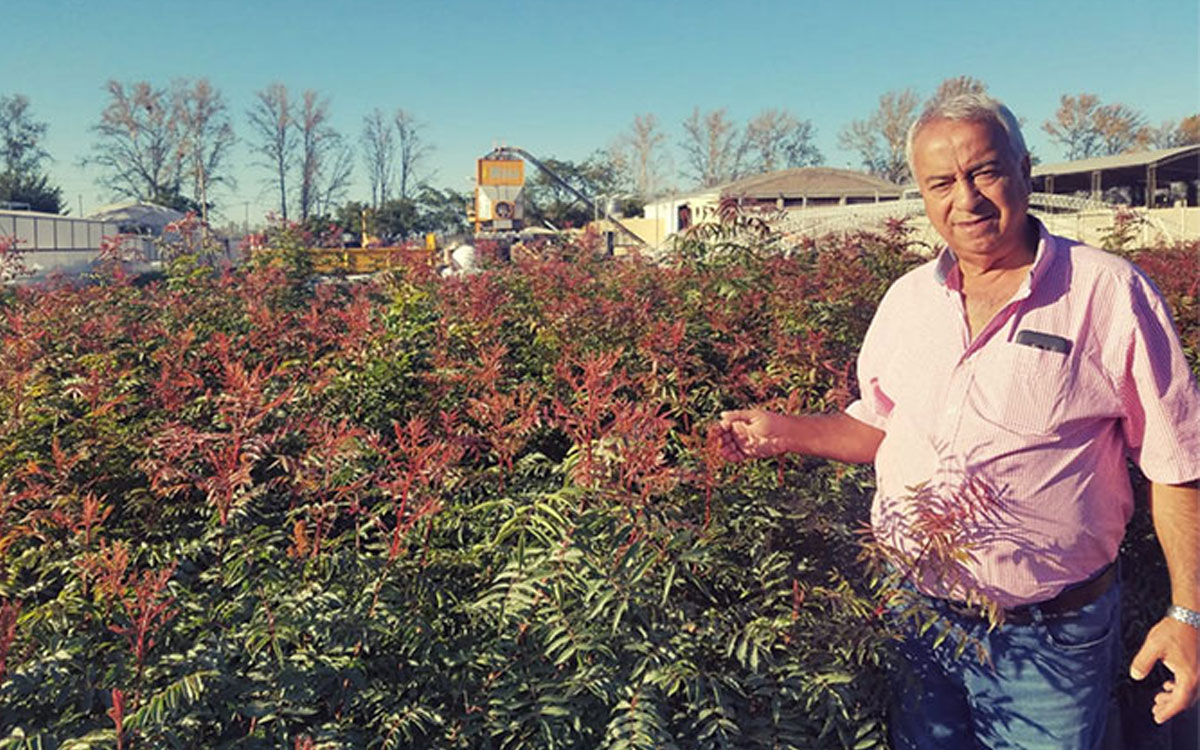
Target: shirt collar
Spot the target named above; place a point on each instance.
(947, 274)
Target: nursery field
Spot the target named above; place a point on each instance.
(253, 510)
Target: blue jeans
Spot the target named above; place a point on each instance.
(1046, 684)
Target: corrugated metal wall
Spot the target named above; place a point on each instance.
(37, 231)
(55, 244)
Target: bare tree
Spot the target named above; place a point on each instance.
(956, 86)
(640, 154)
(206, 137)
(271, 119)
(1085, 128)
(314, 143)
(776, 139)
(1187, 132)
(1121, 129)
(139, 143)
(959, 85)
(1073, 125)
(712, 147)
(325, 160)
(879, 139)
(334, 180)
(379, 155)
(1170, 134)
(21, 149)
(413, 151)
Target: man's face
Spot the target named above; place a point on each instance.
(975, 189)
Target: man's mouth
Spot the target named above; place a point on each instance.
(973, 222)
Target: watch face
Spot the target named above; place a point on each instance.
(504, 210)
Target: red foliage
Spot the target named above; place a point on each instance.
(178, 382)
(117, 714)
(316, 479)
(414, 465)
(22, 361)
(593, 381)
(92, 512)
(115, 252)
(505, 420)
(930, 533)
(9, 612)
(12, 260)
(220, 462)
(147, 607)
(105, 570)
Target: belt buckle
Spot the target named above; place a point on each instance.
(1022, 615)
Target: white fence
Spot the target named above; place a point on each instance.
(1081, 218)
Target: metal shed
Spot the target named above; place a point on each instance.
(1144, 174)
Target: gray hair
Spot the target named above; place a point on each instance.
(973, 107)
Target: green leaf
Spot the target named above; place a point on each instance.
(158, 708)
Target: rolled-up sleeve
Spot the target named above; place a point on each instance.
(1159, 394)
(873, 405)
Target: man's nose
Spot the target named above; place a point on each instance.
(966, 195)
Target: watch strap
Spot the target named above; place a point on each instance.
(1185, 615)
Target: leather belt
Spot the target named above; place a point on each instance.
(1068, 601)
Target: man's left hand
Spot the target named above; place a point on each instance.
(1177, 646)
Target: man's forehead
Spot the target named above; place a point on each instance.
(944, 140)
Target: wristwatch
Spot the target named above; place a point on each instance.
(1185, 615)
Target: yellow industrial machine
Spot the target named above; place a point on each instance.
(498, 212)
(499, 186)
(372, 256)
(362, 260)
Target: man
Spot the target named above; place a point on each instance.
(1031, 366)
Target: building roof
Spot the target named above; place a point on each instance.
(140, 214)
(794, 184)
(810, 182)
(1120, 161)
(23, 213)
(708, 193)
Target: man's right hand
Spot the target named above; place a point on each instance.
(752, 433)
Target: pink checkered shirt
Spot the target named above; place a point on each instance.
(1043, 431)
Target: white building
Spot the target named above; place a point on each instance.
(785, 191)
(50, 243)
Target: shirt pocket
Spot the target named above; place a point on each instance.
(1023, 389)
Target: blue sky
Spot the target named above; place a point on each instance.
(562, 79)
